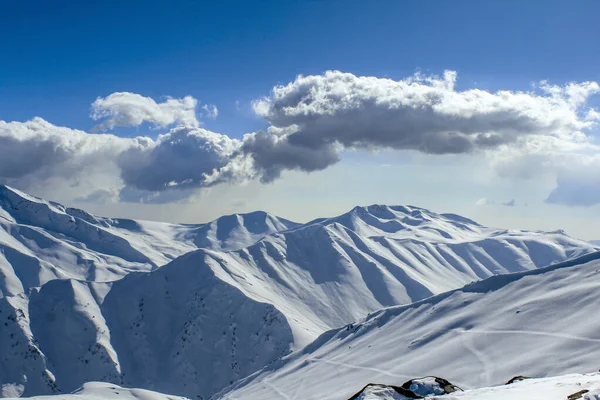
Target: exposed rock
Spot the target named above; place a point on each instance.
(430, 385)
(403, 393)
(517, 379)
(412, 389)
(577, 395)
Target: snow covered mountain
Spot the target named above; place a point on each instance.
(535, 323)
(330, 272)
(42, 240)
(86, 298)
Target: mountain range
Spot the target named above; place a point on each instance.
(245, 305)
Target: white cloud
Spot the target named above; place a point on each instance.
(487, 202)
(182, 158)
(324, 114)
(572, 163)
(35, 152)
(131, 109)
(39, 148)
(313, 120)
(579, 188)
(210, 111)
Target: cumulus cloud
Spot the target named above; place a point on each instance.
(210, 111)
(573, 164)
(312, 121)
(323, 114)
(147, 170)
(184, 157)
(131, 109)
(272, 154)
(39, 148)
(580, 189)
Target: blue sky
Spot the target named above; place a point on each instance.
(59, 57)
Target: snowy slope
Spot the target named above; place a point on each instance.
(330, 272)
(555, 388)
(41, 241)
(101, 391)
(534, 323)
(83, 297)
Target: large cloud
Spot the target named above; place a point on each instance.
(37, 147)
(272, 154)
(130, 109)
(184, 157)
(576, 190)
(312, 121)
(572, 162)
(320, 115)
(143, 169)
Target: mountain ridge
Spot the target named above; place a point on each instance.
(467, 335)
(265, 285)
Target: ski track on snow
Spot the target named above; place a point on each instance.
(486, 363)
(354, 366)
(536, 333)
(277, 390)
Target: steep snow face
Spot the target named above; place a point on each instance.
(534, 323)
(41, 241)
(177, 330)
(183, 330)
(23, 366)
(102, 391)
(324, 274)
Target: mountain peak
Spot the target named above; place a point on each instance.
(403, 221)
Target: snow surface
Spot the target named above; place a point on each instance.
(101, 391)
(555, 388)
(534, 323)
(375, 392)
(87, 298)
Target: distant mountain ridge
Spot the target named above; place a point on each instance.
(57, 242)
(190, 309)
